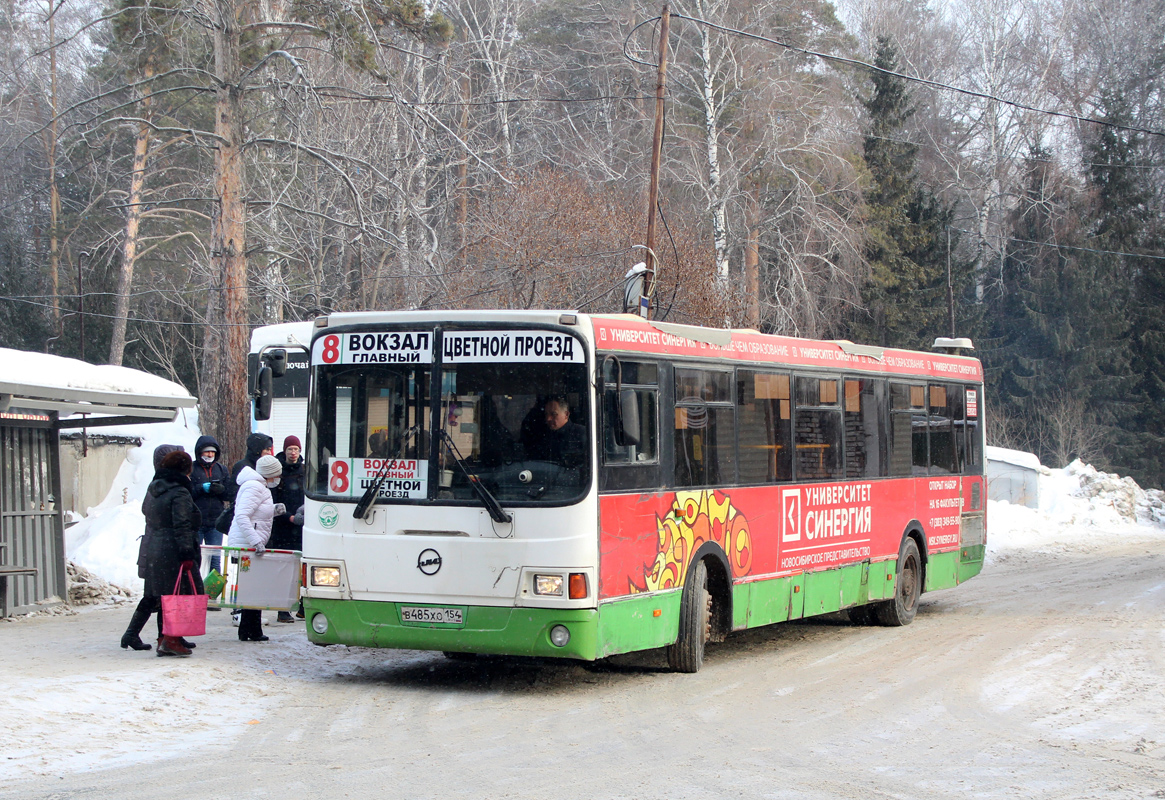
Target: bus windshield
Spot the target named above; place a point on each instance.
(520, 427)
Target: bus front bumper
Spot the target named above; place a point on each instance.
(485, 629)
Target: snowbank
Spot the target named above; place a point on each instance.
(105, 542)
(1073, 503)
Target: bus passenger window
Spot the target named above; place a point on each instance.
(908, 449)
(637, 411)
(946, 411)
(865, 428)
(971, 457)
(704, 428)
(764, 427)
(817, 429)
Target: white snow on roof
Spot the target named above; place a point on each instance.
(57, 372)
(283, 333)
(1017, 457)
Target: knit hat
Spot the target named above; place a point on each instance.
(292, 441)
(269, 467)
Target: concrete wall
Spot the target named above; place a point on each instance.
(85, 479)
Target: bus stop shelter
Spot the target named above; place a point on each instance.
(41, 395)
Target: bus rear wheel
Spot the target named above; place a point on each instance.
(687, 654)
(901, 610)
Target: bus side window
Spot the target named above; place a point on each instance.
(764, 427)
(704, 428)
(817, 428)
(638, 410)
(633, 463)
(908, 447)
(865, 428)
(971, 456)
(946, 417)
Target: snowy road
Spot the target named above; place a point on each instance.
(1042, 678)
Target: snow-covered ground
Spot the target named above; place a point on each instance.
(75, 702)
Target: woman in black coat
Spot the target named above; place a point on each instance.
(148, 604)
(174, 520)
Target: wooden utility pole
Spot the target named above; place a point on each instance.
(656, 155)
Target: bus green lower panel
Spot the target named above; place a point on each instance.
(971, 562)
(639, 622)
(942, 571)
(500, 631)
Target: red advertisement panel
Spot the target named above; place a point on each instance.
(647, 540)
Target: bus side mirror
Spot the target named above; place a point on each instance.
(263, 393)
(277, 360)
(629, 418)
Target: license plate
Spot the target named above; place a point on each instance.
(430, 615)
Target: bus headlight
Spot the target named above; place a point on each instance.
(559, 636)
(325, 576)
(319, 624)
(548, 584)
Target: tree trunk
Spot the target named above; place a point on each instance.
(225, 408)
(133, 218)
(716, 201)
(54, 190)
(752, 264)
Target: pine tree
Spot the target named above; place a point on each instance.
(906, 248)
(1123, 223)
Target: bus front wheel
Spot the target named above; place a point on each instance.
(901, 610)
(687, 654)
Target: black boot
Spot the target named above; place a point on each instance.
(133, 642)
(132, 638)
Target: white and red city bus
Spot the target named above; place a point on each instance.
(558, 484)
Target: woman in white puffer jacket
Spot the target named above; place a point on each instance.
(251, 527)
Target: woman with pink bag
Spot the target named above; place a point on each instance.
(174, 546)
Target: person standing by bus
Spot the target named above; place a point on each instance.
(258, 445)
(149, 604)
(251, 527)
(208, 486)
(285, 534)
(174, 522)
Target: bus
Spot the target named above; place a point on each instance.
(557, 484)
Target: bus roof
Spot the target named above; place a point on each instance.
(627, 332)
(283, 333)
(630, 333)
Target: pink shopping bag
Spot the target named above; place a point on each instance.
(184, 614)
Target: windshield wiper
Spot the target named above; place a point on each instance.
(369, 496)
(496, 512)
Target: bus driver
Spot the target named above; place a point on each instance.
(560, 441)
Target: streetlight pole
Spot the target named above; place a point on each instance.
(81, 300)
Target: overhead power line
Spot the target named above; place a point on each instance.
(853, 62)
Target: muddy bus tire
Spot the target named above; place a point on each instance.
(687, 654)
(901, 610)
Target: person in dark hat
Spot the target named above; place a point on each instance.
(172, 523)
(149, 604)
(208, 486)
(285, 534)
